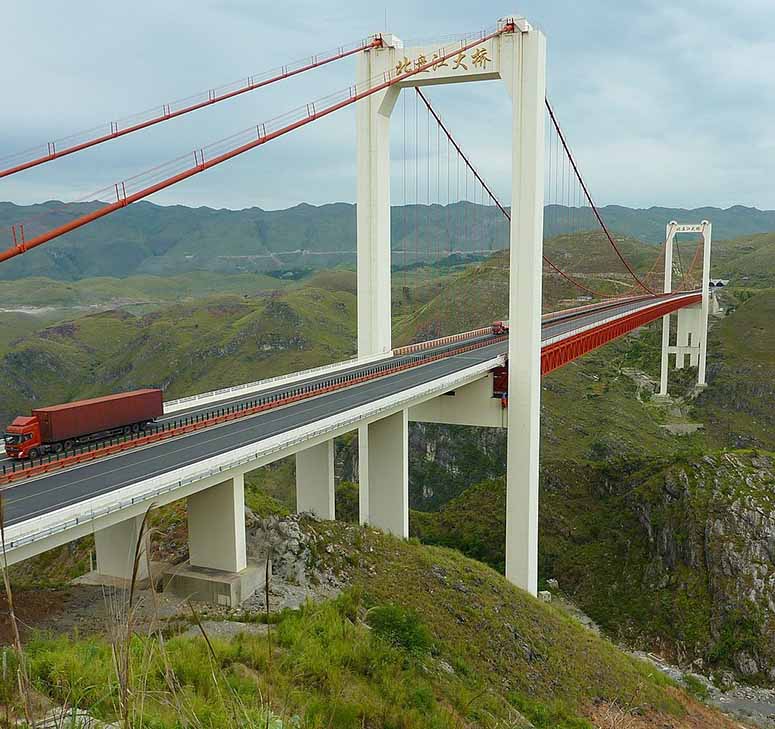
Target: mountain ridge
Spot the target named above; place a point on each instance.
(146, 238)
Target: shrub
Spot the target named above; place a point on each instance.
(400, 627)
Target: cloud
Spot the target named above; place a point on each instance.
(666, 105)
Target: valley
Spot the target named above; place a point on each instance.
(628, 509)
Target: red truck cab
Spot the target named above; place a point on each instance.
(23, 436)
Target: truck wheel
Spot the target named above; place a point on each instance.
(58, 447)
(69, 445)
(136, 428)
(127, 429)
(33, 454)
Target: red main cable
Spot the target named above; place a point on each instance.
(261, 137)
(591, 202)
(495, 199)
(213, 97)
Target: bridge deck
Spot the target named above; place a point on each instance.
(50, 492)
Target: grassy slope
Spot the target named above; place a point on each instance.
(361, 661)
(748, 260)
(737, 406)
(44, 292)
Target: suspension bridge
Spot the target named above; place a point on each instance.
(488, 377)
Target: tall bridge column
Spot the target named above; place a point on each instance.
(373, 208)
(523, 68)
(217, 571)
(315, 489)
(705, 310)
(667, 288)
(373, 224)
(383, 474)
(116, 547)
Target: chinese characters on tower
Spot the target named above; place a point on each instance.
(478, 58)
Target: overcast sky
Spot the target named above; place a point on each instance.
(664, 103)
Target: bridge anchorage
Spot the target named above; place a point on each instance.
(202, 446)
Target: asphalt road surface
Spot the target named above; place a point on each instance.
(27, 499)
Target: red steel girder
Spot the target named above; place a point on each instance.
(560, 353)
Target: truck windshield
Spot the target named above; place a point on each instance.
(12, 439)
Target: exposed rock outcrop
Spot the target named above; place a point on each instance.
(715, 519)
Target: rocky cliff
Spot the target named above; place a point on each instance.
(677, 558)
(710, 529)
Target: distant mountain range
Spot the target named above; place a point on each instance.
(151, 239)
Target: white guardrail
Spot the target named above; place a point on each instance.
(39, 528)
(225, 393)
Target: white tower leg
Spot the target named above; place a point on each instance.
(315, 489)
(216, 526)
(384, 474)
(523, 68)
(701, 365)
(373, 209)
(668, 287)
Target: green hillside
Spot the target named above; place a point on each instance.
(183, 348)
(394, 650)
(748, 261)
(38, 292)
(737, 406)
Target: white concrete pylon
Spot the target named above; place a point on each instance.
(315, 485)
(518, 56)
(216, 526)
(383, 474)
(480, 62)
(667, 288)
(373, 201)
(523, 68)
(706, 245)
(116, 547)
